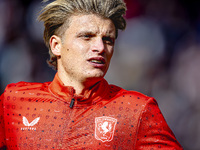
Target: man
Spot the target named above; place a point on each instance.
(79, 109)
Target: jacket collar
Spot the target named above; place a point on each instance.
(66, 93)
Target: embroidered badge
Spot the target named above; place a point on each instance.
(104, 128)
(29, 126)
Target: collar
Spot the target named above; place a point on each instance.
(66, 93)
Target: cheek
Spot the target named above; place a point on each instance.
(73, 57)
(79, 49)
(79, 44)
(110, 53)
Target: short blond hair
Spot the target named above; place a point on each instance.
(57, 13)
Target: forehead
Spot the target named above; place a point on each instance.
(91, 23)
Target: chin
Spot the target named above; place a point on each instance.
(96, 76)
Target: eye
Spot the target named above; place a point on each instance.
(109, 40)
(87, 36)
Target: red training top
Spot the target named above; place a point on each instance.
(38, 116)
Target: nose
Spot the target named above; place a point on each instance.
(98, 45)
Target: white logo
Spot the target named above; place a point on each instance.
(29, 126)
(104, 128)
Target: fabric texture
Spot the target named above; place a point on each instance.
(38, 116)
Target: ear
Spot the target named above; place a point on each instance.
(55, 44)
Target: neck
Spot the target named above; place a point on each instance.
(80, 86)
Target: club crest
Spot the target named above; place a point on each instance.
(104, 128)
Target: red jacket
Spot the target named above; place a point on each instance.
(38, 116)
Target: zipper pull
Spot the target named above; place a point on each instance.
(72, 103)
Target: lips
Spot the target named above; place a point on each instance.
(97, 60)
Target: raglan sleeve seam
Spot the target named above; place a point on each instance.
(139, 120)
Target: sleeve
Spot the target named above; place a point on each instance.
(2, 129)
(153, 131)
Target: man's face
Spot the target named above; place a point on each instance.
(87, 47)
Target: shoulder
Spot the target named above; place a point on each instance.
(25, 86)
(131, 96)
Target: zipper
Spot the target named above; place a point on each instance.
(72, 103)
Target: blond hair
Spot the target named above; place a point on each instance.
(56, 16)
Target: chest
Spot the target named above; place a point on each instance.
(53, 125)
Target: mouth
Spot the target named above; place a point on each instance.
(97, 60)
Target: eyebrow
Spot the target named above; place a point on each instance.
(108, 34)
(86, 32)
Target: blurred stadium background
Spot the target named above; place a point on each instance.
(158, 55)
